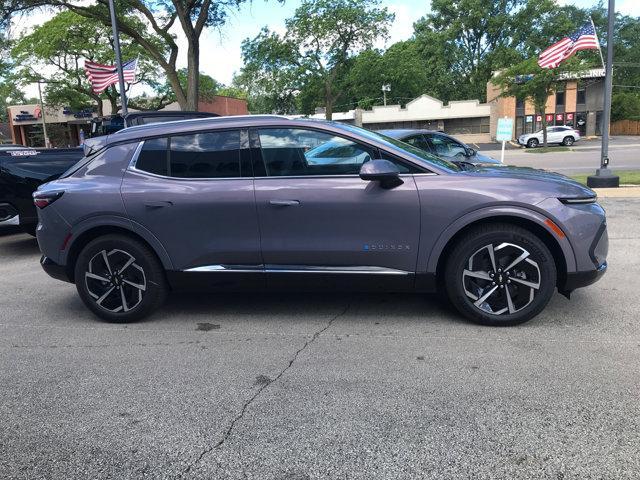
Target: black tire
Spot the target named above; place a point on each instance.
(567, 141)
(461, 281)
(144, 271)
(533, 143)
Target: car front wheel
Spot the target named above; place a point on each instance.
(500, 275)
(532, 143)
(568, 141)
(120, 279)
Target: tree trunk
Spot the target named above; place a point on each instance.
(328, 102)
(193, 74)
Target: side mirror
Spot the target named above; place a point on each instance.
(383, 171)
(470, 152)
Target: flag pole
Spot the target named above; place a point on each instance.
(598, 42)
(116, 44)
(603, 176)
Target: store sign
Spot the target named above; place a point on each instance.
(569, 116)
(538, 118)
(529, 118)
(504, 131)
(549, 117)
(559, 117)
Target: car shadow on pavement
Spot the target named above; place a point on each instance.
(302, 304)
(21, 245)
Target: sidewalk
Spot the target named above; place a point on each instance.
(629, 191)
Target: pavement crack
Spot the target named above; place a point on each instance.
(263, 386)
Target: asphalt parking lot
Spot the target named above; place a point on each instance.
(320, 386)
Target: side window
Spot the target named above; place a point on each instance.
(446, 147)
(205, 155)
(293, 152)
(419, 141)
(153, 157)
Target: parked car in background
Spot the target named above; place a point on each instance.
(555, 135)
(258, 202)
(442, 145)
(23, 169)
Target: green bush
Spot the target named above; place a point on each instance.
(625, 106)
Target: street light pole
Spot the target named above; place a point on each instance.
(604, 177)
(44, 118)
(116, 44)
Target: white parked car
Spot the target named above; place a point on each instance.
(555, 135)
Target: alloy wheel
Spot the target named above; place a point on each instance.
(115, 281)
(501, 279)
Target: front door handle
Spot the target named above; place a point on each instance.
(284, 203)
(157, 204)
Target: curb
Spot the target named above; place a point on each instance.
(624, 191)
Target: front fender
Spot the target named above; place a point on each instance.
(429, 262)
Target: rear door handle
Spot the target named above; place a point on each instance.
(284, 203)
(157, 204)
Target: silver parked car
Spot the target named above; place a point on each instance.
(561, 135)
(263, 202)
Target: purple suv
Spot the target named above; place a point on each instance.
(264, 202)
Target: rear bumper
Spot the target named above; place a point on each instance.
(54, 270)
(583, 279)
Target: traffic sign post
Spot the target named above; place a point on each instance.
(504, 133)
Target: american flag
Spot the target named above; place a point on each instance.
(583, 39)
(101, 76)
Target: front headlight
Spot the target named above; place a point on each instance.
(579, 200)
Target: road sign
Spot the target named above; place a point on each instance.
(505, 129)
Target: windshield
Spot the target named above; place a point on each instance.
(421, 154)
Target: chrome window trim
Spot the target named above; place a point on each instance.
(364, 269)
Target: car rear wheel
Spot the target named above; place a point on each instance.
(568, 141)
(120, 279)
(532, 143)
(500, 275)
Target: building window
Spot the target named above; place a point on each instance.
(559, 98)
(519, 103)
(582, 96)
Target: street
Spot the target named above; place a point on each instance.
(583, 157)
(306, 386)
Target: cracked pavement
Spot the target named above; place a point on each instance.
(307, 386)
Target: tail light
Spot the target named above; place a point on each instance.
(44, 199)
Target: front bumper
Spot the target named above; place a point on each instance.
(583, 279)
(54, 270)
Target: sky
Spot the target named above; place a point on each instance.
(220, 49)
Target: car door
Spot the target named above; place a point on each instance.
(555, 135)
(317, 217)
(190, 192)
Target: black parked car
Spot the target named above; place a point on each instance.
(23, 169)
(442, 145)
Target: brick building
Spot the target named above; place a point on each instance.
(577, 102)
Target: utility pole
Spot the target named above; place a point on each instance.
(385, 88)
(44, 118)
(116, 44)
(604, 177)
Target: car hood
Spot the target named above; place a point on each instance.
(556, 181)
(480, 158)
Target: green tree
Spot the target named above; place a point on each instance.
(321, 38)
(65, 42)
(9, 91)
(526, 80)
(465, 41)
(625, 106)
(155, 36)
